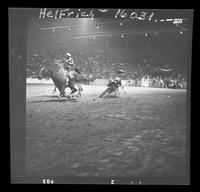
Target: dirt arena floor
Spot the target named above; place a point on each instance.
(140, 133)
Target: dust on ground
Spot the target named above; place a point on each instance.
(140, 133)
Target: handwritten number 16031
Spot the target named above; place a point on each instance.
(122, 13)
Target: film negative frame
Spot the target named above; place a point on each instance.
(18, 18)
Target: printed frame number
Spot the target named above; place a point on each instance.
(47, 181)
(112, 181)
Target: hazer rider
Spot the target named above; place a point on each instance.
(68, 65)
(68, 62)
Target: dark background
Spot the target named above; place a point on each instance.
(165, 43)
(17, 59)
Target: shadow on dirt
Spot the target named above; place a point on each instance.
(111, 97)
(50, 96)
(55, 100)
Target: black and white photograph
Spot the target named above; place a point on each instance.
(107, 95)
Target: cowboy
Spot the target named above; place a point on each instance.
(72, 72)
(113, 85)
(68, 62)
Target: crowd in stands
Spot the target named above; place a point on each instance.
(35, 63)
(166, 82)
(101, 66)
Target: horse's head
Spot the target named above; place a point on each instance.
(44, 72)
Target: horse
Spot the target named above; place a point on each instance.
(62, 79)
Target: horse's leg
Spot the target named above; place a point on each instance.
(62, 91)
(72, 87)
(61, 94)
(80, 89)
(59, 85)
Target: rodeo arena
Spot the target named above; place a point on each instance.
(107, 97)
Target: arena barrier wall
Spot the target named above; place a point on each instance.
(102, 82)
(37, 81)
